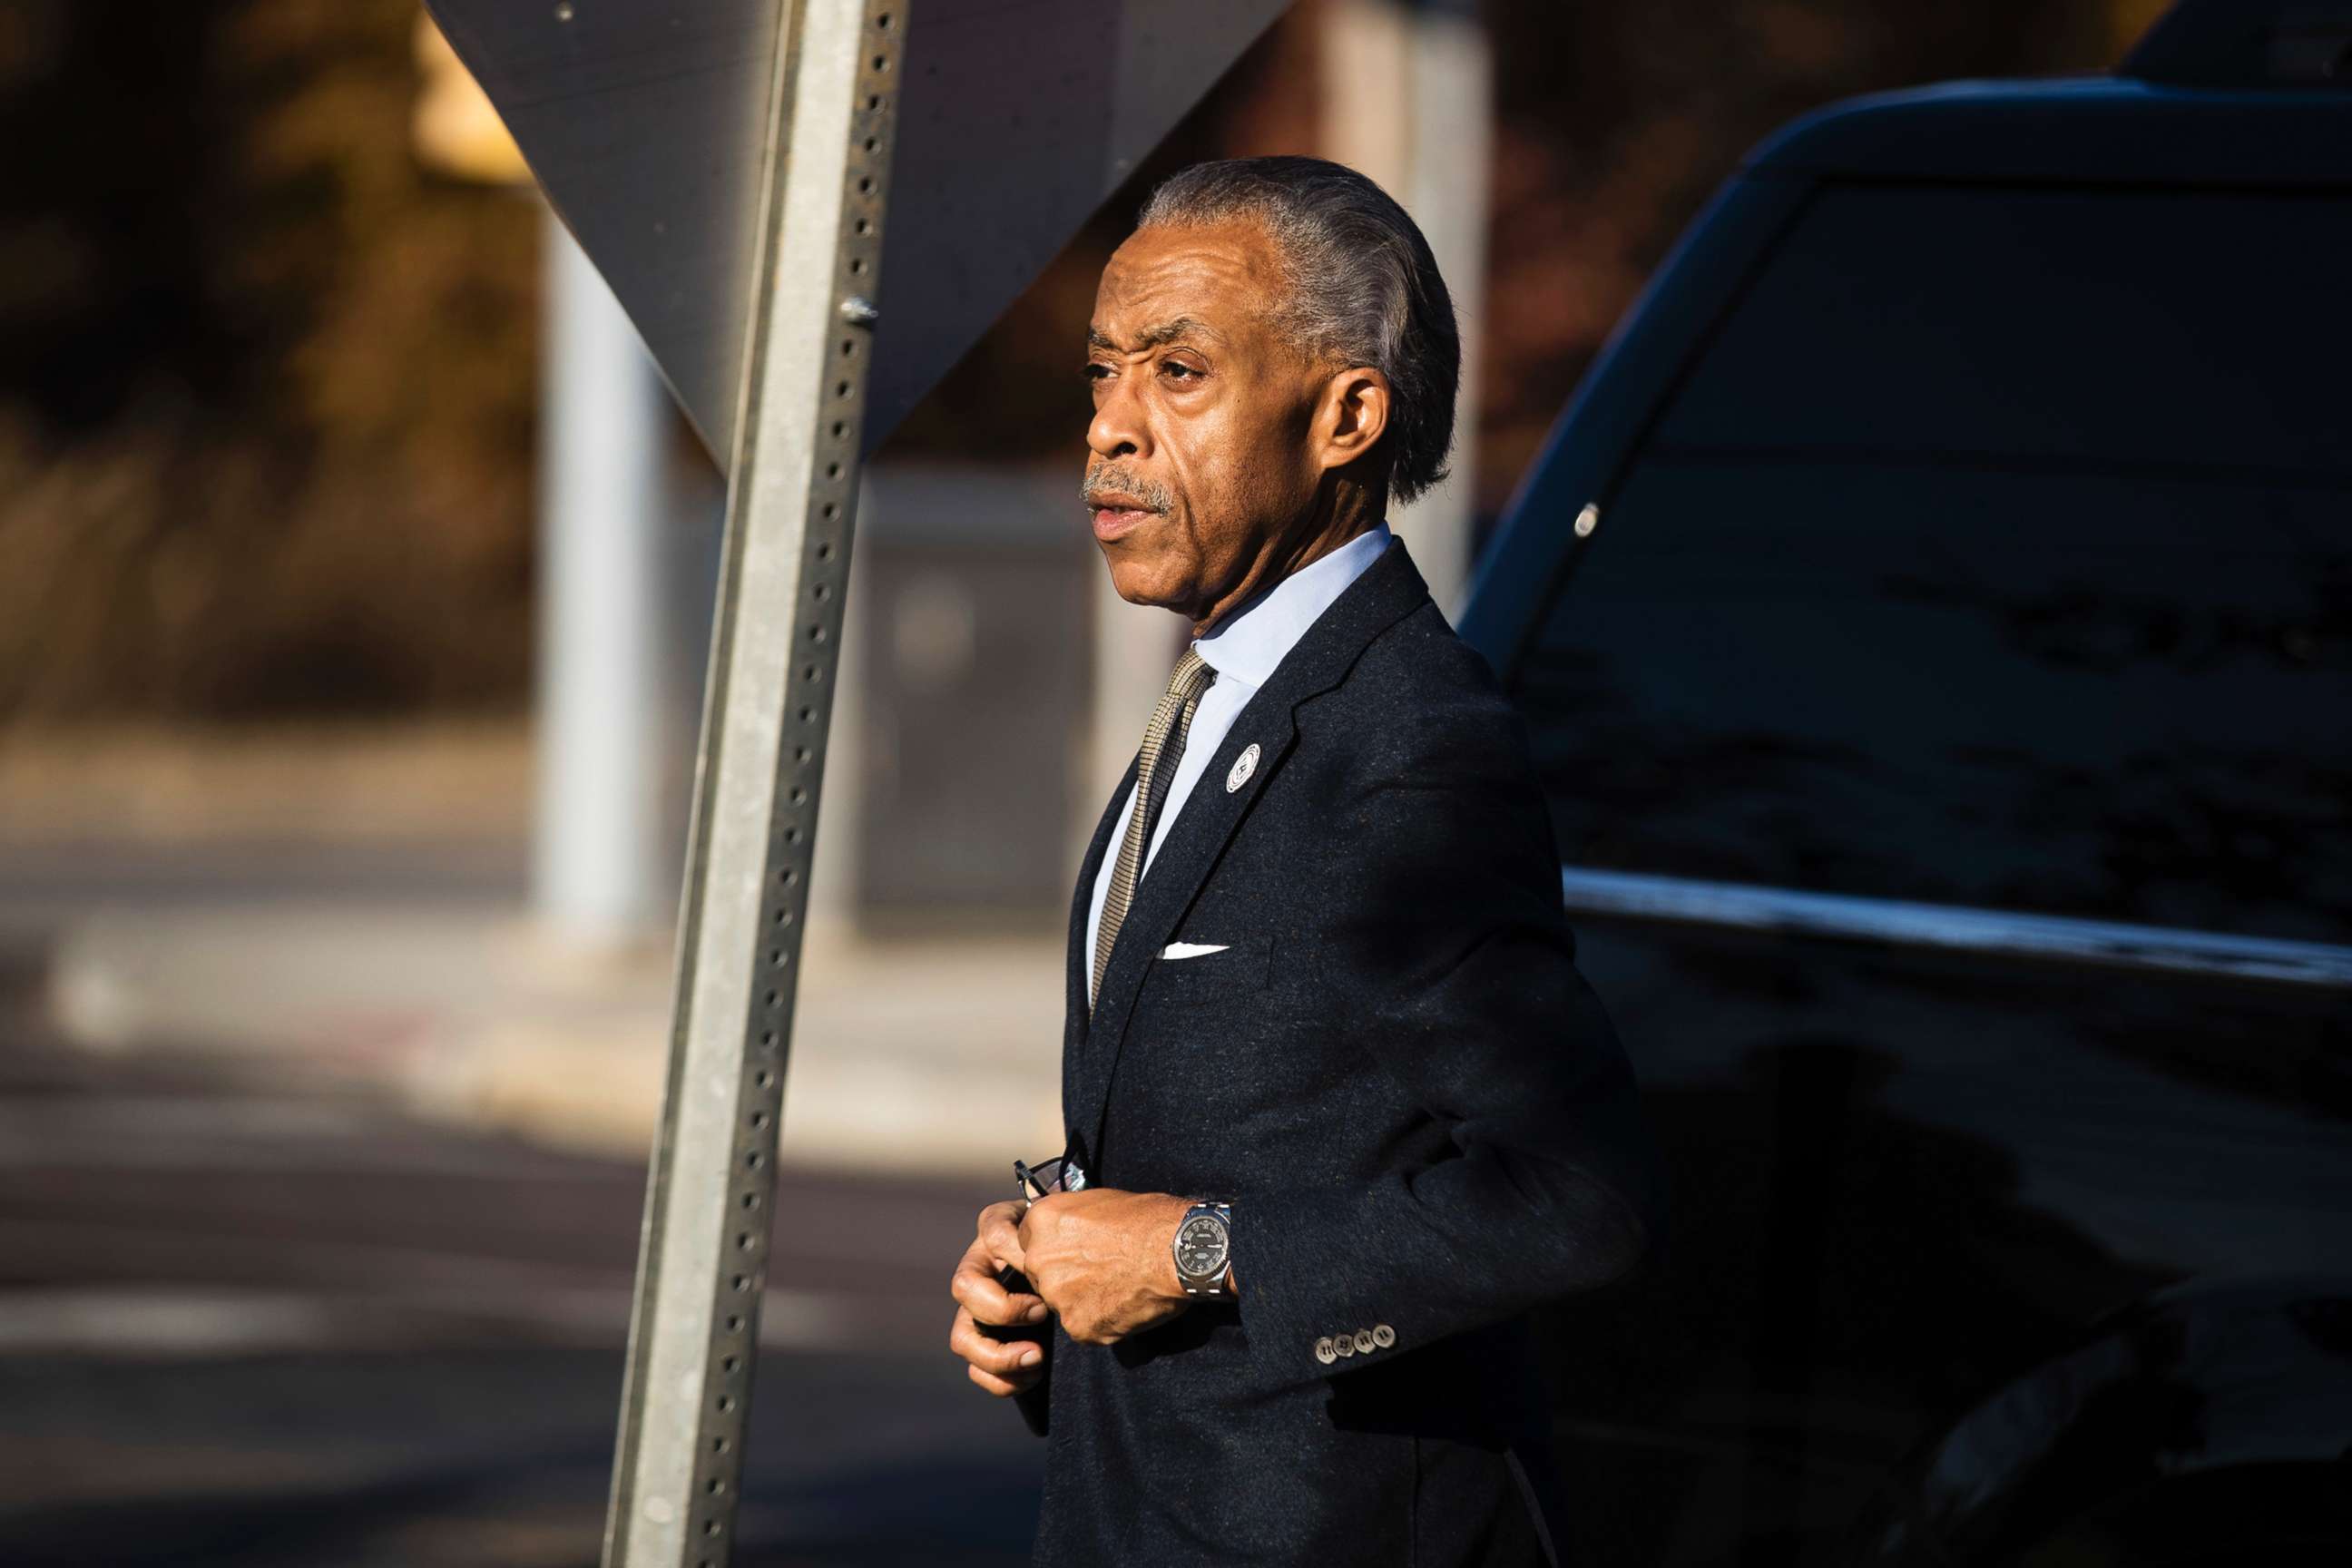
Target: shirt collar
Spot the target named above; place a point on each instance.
(1248, 643)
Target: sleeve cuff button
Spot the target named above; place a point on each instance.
(1324, 1352)
(1383, 1336)
(1365, 1342)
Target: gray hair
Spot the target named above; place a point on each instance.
(1363, 287)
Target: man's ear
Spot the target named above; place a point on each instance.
(1352, 416)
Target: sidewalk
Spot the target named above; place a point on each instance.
(936, 1056)
(176, 894)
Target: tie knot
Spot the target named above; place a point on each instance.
(1191, 676)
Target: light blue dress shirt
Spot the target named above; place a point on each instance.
(1243, 650)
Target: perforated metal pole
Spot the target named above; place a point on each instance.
(703, 1258)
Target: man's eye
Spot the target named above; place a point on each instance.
(1097, 371)
(1178, 370)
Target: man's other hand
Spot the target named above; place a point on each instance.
(1101, 1260)
(1000, 1366)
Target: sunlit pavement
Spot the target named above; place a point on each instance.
(249, 1324)
(350, 908)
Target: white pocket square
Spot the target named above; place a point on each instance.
(1192, 949)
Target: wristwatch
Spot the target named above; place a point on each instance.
(1204, 1246)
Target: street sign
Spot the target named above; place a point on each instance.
(726, 165)
(644, 120)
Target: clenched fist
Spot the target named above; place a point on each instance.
(1100, 1258)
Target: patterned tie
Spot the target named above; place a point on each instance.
(1163, 745)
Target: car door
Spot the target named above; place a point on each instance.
(1946, 713)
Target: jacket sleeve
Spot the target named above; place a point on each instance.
(1447, 961)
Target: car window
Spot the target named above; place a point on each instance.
(2199, 334)
(1999, 552)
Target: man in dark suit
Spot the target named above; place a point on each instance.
(1340, 1110)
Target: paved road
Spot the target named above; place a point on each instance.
(242, 1323)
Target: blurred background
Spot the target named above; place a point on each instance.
(355, 579)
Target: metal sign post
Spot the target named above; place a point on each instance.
(791, 495)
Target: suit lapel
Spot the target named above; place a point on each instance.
(1073, 1018)
(1389, 589)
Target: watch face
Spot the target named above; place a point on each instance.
(1200, 1247)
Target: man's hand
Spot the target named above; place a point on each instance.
(1000, 1366)
(1100, 1258)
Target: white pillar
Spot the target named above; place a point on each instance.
(1408, 95)
(603, 862)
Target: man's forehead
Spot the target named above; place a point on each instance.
(1156, 334)
(1169, 283)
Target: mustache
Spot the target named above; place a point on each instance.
(1110, 480)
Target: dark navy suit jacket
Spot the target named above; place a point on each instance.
(1397, 1078)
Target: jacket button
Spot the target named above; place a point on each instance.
(1364, 1340)
(1383, 1336)
(1344, 1345)
(1324, 1352)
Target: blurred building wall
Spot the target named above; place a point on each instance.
(972, 707)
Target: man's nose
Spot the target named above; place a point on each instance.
(1119, 429)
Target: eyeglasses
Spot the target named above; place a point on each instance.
(1059, 1174)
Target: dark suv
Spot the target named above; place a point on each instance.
(1934, 621)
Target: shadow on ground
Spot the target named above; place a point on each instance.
(482, 1458)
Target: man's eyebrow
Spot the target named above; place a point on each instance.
(1154, 337)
